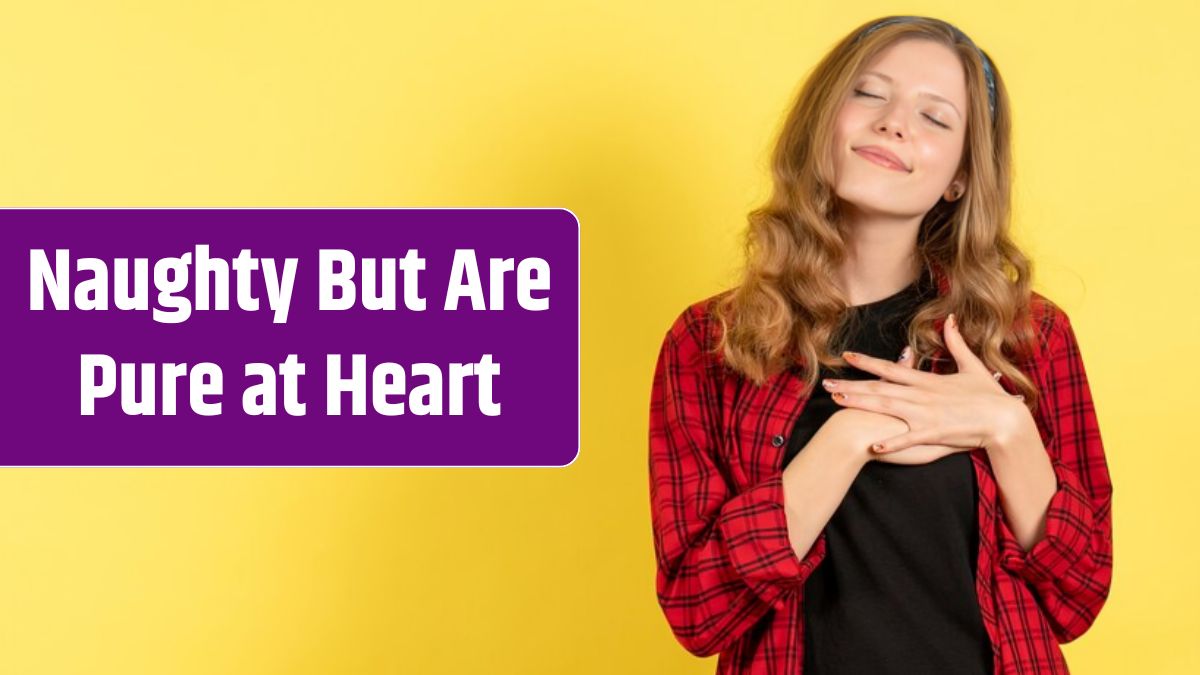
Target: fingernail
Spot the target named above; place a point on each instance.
(951, 322)
(904, 354)
(829, 384)
(849, 356)
(838, 396)
(877, 447)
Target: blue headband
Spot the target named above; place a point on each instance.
(987, 64)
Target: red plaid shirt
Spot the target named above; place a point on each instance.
(728, 580)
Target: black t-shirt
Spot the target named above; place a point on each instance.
(896, 590)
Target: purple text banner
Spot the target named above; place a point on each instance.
(290, 337)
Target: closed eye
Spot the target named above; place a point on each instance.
(859, 92)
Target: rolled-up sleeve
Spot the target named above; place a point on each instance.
(723, 559)
(1070, 568)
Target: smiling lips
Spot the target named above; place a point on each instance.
(882, 157)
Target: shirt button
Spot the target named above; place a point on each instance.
(778, 440)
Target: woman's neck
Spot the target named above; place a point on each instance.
(880, 259)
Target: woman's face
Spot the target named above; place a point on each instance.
(910, 100)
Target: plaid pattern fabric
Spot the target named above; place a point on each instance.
(728, 580)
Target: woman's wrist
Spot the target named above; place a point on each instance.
(1012, 426)
(850, 435)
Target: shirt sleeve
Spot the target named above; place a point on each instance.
(1070, 568)
(724, 560)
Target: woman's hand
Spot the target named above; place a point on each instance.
(962, 410)
(865, 427)
(912, 454)
(873, 426)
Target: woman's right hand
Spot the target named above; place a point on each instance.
(865, 427)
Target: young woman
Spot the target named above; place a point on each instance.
(947, 512)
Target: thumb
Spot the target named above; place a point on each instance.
(964, 358)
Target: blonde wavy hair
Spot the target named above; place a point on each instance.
(786, 310)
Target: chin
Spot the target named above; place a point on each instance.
(878, 199)
(867, 200)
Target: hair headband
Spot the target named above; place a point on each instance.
(987, 64)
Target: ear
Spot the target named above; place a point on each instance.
(957, 188)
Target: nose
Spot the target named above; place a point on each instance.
(892, 122)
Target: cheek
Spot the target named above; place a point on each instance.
(940, 157)
(843, 131)
(848, 120)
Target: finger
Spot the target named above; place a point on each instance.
(887, 405)
(917, 454)
(905, 440)
(921, 453)
(873, 387)
(888, 370)
(957, 345)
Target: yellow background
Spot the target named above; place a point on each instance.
(652, 122)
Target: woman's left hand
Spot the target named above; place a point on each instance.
(968, 408)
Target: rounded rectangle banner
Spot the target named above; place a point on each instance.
(291, 337)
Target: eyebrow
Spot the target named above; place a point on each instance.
(925, 93)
